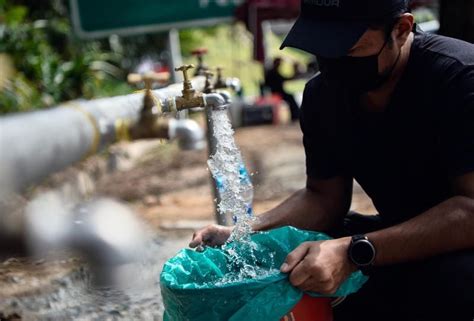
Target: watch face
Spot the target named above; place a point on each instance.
(362, 253)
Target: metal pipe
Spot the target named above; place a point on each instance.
(37, 144)
(189, 134)
(218, 100)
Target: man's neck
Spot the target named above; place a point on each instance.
(377, 100)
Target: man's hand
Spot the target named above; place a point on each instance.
(319, 266)
(212, 235)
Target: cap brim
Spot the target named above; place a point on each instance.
(330, 39)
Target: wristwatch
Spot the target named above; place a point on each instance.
(362, 253)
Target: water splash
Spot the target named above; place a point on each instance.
(243, 263)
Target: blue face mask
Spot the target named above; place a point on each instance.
(357, 74)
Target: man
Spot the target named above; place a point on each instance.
(393, 108)
(275, 81)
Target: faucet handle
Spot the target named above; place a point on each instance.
(150, 101)
(199, 52)
(154, 77)
(134, 79)
(184, 69)
(188, 90)
(201, 67)
(149, 79)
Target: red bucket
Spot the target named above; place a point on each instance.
(311, 309)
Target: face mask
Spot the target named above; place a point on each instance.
(358, 74)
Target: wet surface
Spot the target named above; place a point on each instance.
(61, 290)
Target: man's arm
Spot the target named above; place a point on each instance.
(319, 207)
(445, 228)
(323, 266)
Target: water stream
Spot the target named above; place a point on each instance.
(228, 169)
(236, 193)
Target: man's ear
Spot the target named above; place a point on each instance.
(403, 28)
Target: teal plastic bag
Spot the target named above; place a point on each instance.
(192, 289)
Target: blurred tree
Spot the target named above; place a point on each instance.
(457, 19)
(193, 38)
(47, 64)
(42, 63)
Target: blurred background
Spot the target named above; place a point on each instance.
(64, 170)
(44, 62)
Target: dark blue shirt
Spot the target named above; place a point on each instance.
(405, 157)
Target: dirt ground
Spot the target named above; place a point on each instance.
(170, 189)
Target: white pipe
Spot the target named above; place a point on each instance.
(36, 144)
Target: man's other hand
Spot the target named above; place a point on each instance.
(212, 235)
(319, 266)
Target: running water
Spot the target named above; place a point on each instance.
(228, 169)
(226, 166)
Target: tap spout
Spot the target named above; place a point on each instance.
(218, 101)
(188, 133)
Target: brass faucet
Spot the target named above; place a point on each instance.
(149, 79)
(150, 125)
(190, 98)
(209, 87)
(220, 82)
(227, 83)
(201, 68)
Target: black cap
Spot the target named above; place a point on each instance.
(330, 28)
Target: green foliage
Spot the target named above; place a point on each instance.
(49, 65)
(193, 38)
(231, 46)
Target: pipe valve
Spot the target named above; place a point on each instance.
(201, 68)
(149, 79)
(220, 82)
(188, 90)
(208, 87)
(190, 98)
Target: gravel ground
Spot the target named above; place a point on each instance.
(61, 290)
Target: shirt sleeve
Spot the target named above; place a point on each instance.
(457, 132)
(319, 144)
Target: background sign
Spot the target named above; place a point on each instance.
(99, 18)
